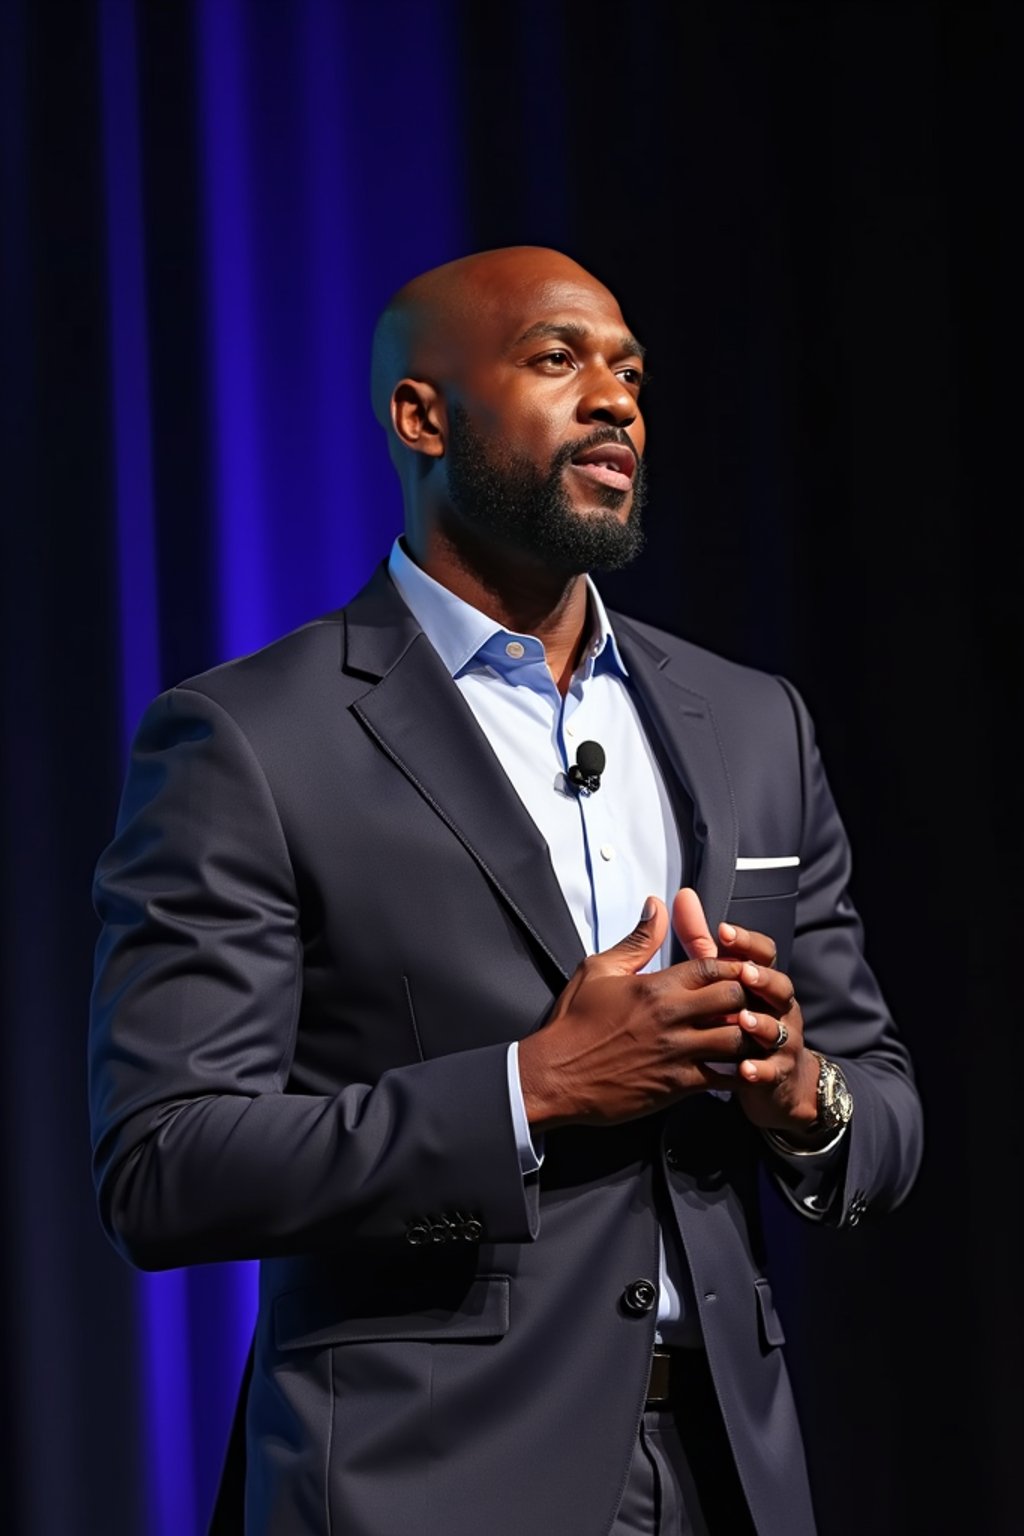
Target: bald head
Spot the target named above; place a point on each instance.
(422, 332)
(508, 384)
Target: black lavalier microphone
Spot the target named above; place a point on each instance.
(586, 771)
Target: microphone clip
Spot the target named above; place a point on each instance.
(586, 771)
(581, 780)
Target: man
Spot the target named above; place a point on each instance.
(478, 1034)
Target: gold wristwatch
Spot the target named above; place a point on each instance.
(835, 1101)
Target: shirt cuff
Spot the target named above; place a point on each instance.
(785, 1148)
(530, 1158)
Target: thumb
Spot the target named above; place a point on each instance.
(632, 953)
(691, 925)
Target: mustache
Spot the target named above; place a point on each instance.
(568, 451)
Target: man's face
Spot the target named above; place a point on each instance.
(545, 437)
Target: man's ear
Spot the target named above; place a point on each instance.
(418, 417)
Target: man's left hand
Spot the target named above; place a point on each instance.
(777, 1082)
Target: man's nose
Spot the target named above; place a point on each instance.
(606, 399)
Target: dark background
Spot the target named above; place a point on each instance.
(808, 212)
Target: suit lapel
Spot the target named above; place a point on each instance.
(685, 724)
(421, 721)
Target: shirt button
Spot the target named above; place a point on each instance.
(570, 730)
(515, 649)
(607, 852)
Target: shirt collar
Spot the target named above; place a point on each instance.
(458, 631)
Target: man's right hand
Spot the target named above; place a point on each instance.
(619, 1045)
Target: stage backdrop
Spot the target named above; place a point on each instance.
(807, 210)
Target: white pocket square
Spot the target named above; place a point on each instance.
(783, 863)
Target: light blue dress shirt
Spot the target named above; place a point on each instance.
(610, 850)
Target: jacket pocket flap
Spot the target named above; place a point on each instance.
(771, 1324)
(313, 1318)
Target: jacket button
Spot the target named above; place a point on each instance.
(639, 1297)
(417, 1232)
(673, 1157)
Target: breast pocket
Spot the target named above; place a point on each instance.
(764, 898)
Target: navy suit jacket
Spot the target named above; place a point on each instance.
(325, 913)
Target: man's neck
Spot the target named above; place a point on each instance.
(519, 594)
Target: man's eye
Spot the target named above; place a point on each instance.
(632, 376)
(558, 358)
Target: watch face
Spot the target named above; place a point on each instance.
(835, 1102)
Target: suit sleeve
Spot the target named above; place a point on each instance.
(200, 1151)
(846, 1017)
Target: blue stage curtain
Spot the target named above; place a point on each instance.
(310, 210)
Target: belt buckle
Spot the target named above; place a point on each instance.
(659, 1383)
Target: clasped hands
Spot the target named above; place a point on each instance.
(620, 1044)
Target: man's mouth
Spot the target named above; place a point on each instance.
(610, 464)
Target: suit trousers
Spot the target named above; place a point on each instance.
(682, 1478)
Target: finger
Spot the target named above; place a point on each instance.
(691, 926)
(632, 953)
(759, 947)
(760, 1069)
(764, 1031)
(774, 988)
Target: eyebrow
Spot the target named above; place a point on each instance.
(571, 330)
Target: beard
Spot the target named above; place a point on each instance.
(504, 494)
